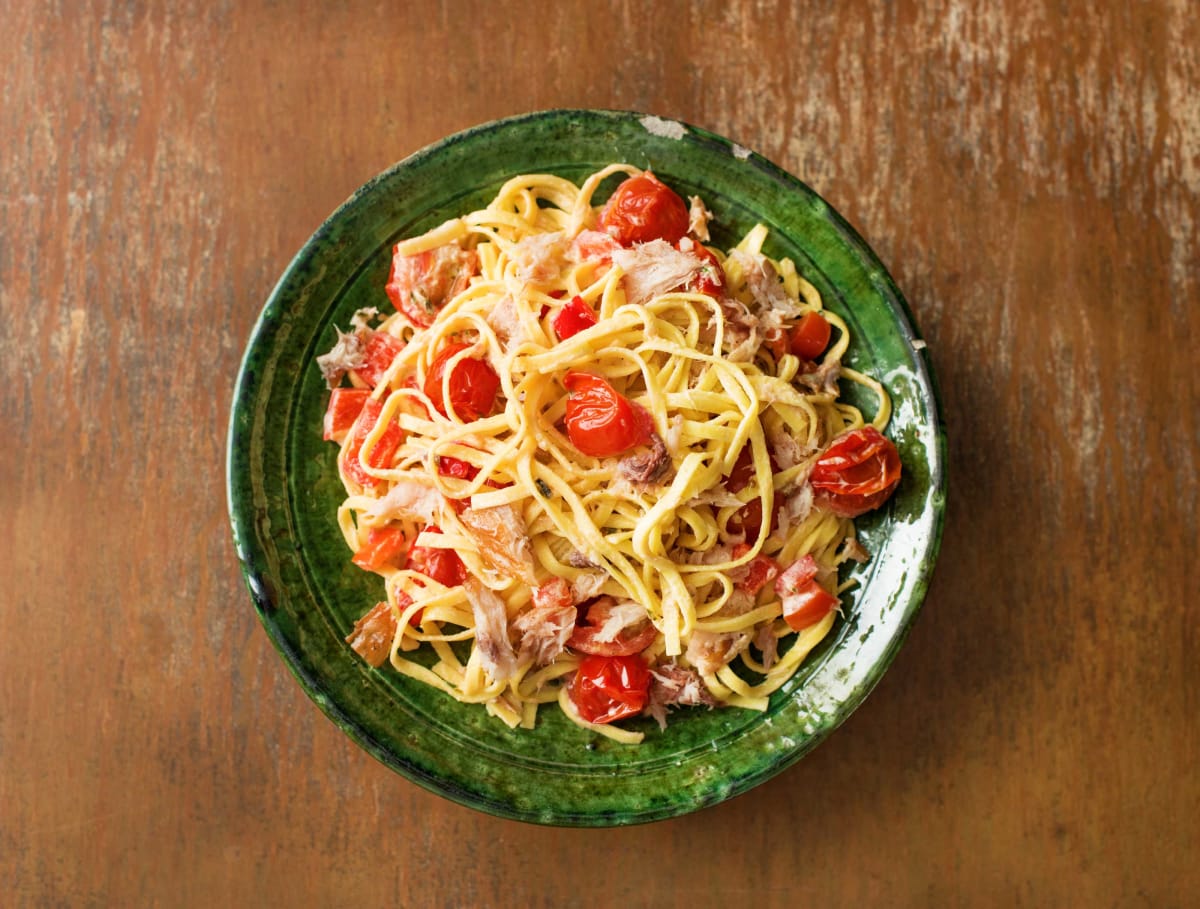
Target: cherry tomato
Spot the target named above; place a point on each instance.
(605, 689)
(600, 421)
(808, 605)
(384, 548)
(805, 602)
(810, 336)
(442, 565)
(419, 285)
(642, 209)
(630, 639)
(381, 350)
(573, 318)
(457, 468)
(711, 278)
(857, 473)
(755, 574)
(473, 385)
(381, 454)
(345, 404)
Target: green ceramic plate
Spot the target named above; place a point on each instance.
(284, 489)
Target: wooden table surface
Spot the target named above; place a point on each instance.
(1030, 176)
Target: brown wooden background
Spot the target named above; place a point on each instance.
(1030, 175)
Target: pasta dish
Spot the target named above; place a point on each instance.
(597, 462)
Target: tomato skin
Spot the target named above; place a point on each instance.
(759, 571)
(345, 404)
(810, 336)
(643, 208)
(857, 473)
(380, 455)
(605, 689)
(628, 640)
(601, 422)
(711, 278)
(573, 318)
(748, 519)
(457, 468)
(473, 385)
(441, 565)
(385, 548)
(381, 350)
(808, 605)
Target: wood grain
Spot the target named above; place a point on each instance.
(1031, 175)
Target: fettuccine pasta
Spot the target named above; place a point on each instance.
(597, 463)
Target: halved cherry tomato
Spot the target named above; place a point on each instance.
(642, 209)
(805, 602)
(419, 285)
(573, 318)
(602, 422)
(442, 565)
(384, 548)
(345, 404)
(810, 336)
(473, 385)
(711, 278)
(630, 639)
(605, 689)
(757, 573)
(857, 473)
(381, 454)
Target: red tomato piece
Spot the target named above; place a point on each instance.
(454, 467)
(380, 351)
(808, 605)
(345, 404)
(799, 573)
(419, 285)
(605, 689)
(777, 341)
(755, 574)
(573, 318)
(384, 548)
(442, 565)
(473, 385)
(403, 601)
(711, 278)
(602, 422)
(748, 520)
(642, 209)
(810, 336)
(381, 454)
(857, 473)
(631, 639)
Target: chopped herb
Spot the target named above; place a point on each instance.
(543, 487)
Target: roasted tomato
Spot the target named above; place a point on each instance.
(857, 473)
(381, 350)
(748, 520)
(602, 422)
(345, 404)
(473, 385)
(642, 209)
(381, 454)
(420, 285)
(711, 278)
(442, 565)
(810, 336)
(805, 602)
(622, 641)
(605, 689)
(384, 548)
(573, 318)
